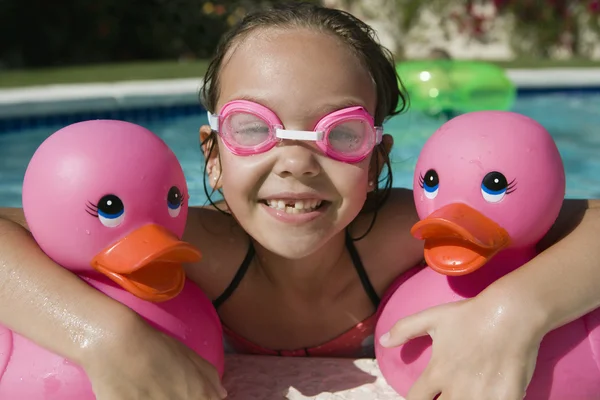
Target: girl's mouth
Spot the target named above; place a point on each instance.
(291, 206)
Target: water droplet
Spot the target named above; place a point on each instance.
(87, 232)
(51, 384)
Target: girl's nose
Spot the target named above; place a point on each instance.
(296, 159)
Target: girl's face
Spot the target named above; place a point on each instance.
(293, 199)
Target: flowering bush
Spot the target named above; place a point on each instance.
(543, 25)
(538, 27)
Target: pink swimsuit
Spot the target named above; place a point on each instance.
(356, 342)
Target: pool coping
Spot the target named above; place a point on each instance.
(71, 98)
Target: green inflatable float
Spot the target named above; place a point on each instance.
(456, 86)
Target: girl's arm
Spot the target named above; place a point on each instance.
(47, 303)
(122, 355)
(496, 335)
(563, 282)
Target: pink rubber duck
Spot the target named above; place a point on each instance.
(108, 200)
(487, 187)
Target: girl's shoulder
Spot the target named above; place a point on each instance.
(389, 249)
(210, 228)
(15, 215)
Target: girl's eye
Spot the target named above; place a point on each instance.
(246, 129)
(430, 184)
(348, 136)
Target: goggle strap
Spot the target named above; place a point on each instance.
(379, 134)
(298, 135)
(213, 121)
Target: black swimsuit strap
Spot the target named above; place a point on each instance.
(239, 275)
(354, 256)
(360, 270)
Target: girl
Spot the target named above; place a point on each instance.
(282, 257)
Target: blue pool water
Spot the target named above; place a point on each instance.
(572, 118)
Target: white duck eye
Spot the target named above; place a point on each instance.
(495, 186)
(109, 210)
(174, 201)
(430, 183)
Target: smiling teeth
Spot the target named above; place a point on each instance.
(294, 206)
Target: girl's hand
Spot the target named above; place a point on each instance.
(143, 363)
(481, 350)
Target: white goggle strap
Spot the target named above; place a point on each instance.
(213, 121)
(298, 135)
(378, 134)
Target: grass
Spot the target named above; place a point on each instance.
(533, 63)
(103, 73)
(192, 69)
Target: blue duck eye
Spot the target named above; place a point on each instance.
(109, 210)
(495, 186)
(430, 183)
(174, 201)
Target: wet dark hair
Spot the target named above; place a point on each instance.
(359, 37)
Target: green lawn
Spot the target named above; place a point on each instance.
(173, 69)
(532, 63)
(103, 73)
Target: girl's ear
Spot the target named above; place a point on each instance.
(378, 160)
(210, 148)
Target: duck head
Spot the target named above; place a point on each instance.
(485, 181)
(110, 197)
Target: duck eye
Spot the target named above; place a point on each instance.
(494, 187)
(430, 183)
(111, 211)
(174, 201)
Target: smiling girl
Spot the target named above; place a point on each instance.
(309, 237)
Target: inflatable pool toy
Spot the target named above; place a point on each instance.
(458, 86)
(487, 187)
(108, 201)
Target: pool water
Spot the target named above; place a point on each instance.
(573, 119)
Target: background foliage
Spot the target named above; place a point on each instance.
(40, 33)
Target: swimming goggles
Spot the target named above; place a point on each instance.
(248, 128)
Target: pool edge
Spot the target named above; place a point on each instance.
(36, 101)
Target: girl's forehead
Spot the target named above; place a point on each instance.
(295, 67)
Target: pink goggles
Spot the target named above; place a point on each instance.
(248, 128)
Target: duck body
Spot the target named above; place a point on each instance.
(108, 200)
(487, 187)
(31, 372)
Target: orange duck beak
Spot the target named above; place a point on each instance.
(147, 263)
(459, 239)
